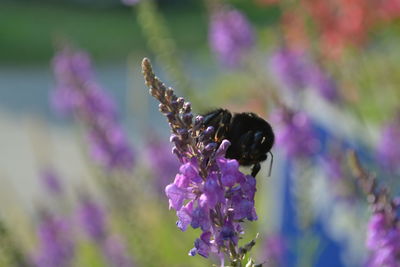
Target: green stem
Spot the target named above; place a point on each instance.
(162, 44)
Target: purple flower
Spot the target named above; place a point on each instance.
(109, 146)
(115, 252)
(333, 165)
(289, 67)
(296, 72)
(209, 192)
(388, 148)
(190, 170)
(204, 195)
(230, 174)
(51, 181)
(383, 239)
(76, 90)
(274, 250)
(383, 236)
(295, 133)
(77, 93)
(248, 187)
(185, 216)
(201, 218)
(92, 218)
(213, 192)
(70, 66)
(176, 196)
(320, 81)
(202, 245)
(56, 245)
(230, 36)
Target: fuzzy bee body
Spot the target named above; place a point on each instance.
(251, 136)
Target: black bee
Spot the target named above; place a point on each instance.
(251, 137)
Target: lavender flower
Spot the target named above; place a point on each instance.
(56, 246)
(333, 165)
(274, 250)
(388, 148)
(109, 146)
(115, 252)
(230, 36)
(209, 192)
(383, 237)
(51, 181)
(296, 72)
(92, 218)
(77, 93)
(93, 221)
(324, 84)
(295, 133)
(288, 66)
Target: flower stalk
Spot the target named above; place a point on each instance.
(383, 236)
(209, 192)
(78, 95)
(159, 39)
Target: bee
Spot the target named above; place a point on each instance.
(251, 136)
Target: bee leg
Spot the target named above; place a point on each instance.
(256, 168)
(272, 161)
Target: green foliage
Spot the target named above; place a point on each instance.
(88, 255)
(28, 31)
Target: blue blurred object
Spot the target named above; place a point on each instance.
(330, 254)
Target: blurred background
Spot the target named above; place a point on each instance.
(83, 174)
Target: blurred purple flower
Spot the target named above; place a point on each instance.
(274, 249)
(230, 36)
(295, 133)
(163, 165)
(296, 72)
(109, 146)
(77, 93)
(388, 148)
(76, 90)
(92, 218)
(320, 81)
(333, 165)
(289, 67)
(383, 239)
(115, 252)
(51, 181)
(56, 245)
(383, 233)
